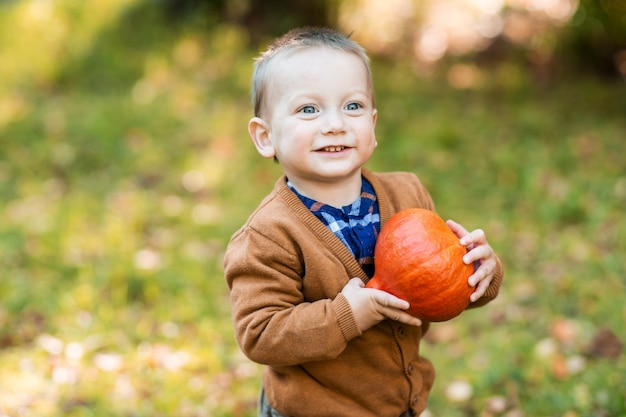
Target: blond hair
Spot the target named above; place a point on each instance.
(297, 39)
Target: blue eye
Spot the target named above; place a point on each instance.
(353, 106)
(308, 110)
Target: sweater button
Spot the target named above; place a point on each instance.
(401, 332)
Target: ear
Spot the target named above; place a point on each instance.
(259, 131)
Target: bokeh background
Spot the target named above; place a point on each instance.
(125, 167)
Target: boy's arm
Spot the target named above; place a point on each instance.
(273, 323)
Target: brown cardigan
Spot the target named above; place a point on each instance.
(285, 270)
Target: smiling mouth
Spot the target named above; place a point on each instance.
(333, 148)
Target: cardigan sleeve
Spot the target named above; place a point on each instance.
(274, 324)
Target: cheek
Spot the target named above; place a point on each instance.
(366, 131)
(299, 134)
(289, 139)
(369, 139)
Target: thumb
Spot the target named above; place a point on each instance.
(358, 282)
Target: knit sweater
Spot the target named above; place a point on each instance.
(285, 271)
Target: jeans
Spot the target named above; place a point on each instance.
(265, 410)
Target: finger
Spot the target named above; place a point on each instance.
(486, 269)
(401, 316)
(476, 278)
(476, 237)
(477, 253)
(391, 301)
(482, 280)
(481, 288)
(457, 229)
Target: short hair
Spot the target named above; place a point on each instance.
(298, 39)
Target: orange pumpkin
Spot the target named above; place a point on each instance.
(419, 259)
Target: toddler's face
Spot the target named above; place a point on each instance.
(320, 115)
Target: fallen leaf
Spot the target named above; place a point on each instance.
(496, 404)
(558, 367)
(459, 391)
(565, 331)
(605, 344)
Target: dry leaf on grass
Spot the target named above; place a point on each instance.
(605, 344)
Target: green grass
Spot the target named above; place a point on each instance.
(126, 166)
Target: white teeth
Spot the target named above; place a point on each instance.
(334, 148)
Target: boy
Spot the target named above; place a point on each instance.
(296, 270)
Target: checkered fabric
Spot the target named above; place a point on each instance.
(357, 224)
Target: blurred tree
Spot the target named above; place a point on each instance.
(596, 37)
(262, 18)
(591, 39)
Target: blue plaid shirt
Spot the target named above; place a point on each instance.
(357, 224)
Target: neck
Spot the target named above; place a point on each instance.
(336, 194)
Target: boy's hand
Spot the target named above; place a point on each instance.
(480, 254)
(371, 306)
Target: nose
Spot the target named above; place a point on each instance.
(333, 122)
